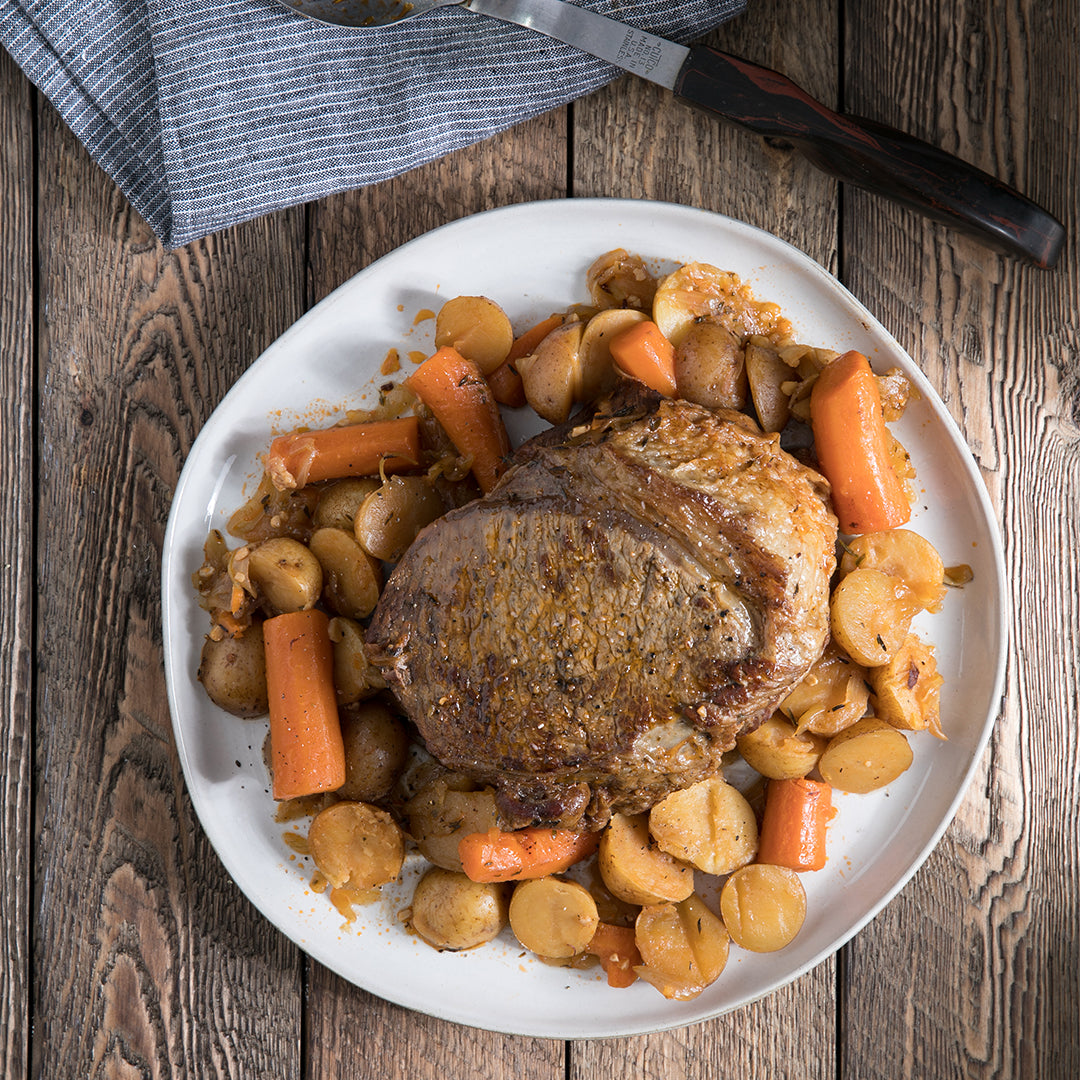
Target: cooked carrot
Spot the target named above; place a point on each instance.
(527, 342)
(306, 749)
(793, 825)
(643, 352)
(507, 386)
(852, 444)
(306, 457)
(617, 951)
(457, 393)
(526, 853)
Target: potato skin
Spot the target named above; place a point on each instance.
(441, 813)
(451, 912)
(233, 672)
(376, 748)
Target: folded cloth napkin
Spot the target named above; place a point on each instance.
(210, 112)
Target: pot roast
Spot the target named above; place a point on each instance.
(641, 587)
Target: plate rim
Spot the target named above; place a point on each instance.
(1001, 623)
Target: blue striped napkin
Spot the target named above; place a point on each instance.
(210, 113)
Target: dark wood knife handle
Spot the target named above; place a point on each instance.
(871, 155)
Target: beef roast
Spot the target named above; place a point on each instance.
(640, 588)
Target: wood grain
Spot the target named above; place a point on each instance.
(977, 961)
(17, 170)
(353, 1034)
(148, 962)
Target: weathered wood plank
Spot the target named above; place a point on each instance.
(147, 960)
(635, 140)
(16, 557)
(975, 964)
(353, 1034)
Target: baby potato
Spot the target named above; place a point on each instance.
(440, 814)
(549, 375)
(478, 328)
(286, 574)
(355, 845)
(710, 826)
(710, 367)
(620, 280)
(867, 756)
(870, 613)
(552, 917)
(352, 578)
(684, 947)
(832, 696)
(596, 370)
(778, 751)
(763, 907)
(338, 503)
(692, 292)
(233, 672)
(766, 373)
(904, 554)
(451, 912)
(394, 513)
(634, 869)
(355, 676)
(907, 689)
(376, 748)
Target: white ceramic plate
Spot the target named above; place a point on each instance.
(532, 259)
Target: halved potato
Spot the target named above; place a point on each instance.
(766, 373)
(635, 869)
(285, 573)
(393, 514)
(870, 613)
(709, 825)
(780, 752)
(710, 366)
(550, 374)
(478, 328)
(552, 917)
(763, 907)
(865, 757)
(356, 845)
(352, 578)
(596, 370)
(684, 947)
(904, 554)
(907, 689)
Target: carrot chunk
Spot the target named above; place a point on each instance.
(525, 853)
(793, 826)
(643, 352)
(852, 445)
(306, 749)
(617, 951)
(457, 393)
(307, 457)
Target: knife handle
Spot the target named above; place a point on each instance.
(871, 155)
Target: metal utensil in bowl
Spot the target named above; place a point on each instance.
(860, 152)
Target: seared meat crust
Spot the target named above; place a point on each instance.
(639, 589)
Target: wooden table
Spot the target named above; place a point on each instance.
(128, 952)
